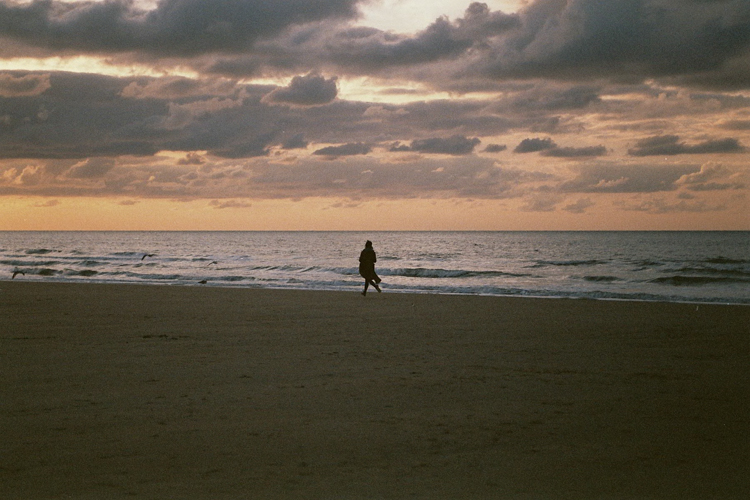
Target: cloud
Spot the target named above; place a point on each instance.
(221, 139)
(309, 90)
(542, 202)
(736, 125)
(31, 175)
(369, 49)
(712, 177)
(495, 148)
(174, 87)
(659, 205)
(350, 149)
(666, 145)
(534, 145)
(624, 38)
(579, 206)
(173, 28)
(182, 115)
(91, 168)
(47, 204)
(85, 115)
(82, 115)
(549, 98)
(606, 178)
(23, 85)
(192, 158)
(358, 176)
(686, 42)
(570, 152)
(455, 145)
(221, 204)
(353, 177)
(297, 141)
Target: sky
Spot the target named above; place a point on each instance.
(374, 115)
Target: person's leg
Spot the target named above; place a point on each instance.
(367, 283)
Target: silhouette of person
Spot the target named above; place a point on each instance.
(367, 261)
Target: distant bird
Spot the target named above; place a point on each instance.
(147, 255)
(17, 272)
(214, 262)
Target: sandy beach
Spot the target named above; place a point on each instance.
(165, 392)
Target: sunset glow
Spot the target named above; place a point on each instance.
(350, 115)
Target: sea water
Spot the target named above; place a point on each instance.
(657, 266)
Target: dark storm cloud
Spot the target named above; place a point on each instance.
(625, 38)
(76, 117)
(80, 115)
(699, 43)
(174, 28)
(626, 178)
(667, 145)
(455, 145)
(307, 90)
(691, 42)
(368, 48)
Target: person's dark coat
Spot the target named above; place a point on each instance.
(367, 260)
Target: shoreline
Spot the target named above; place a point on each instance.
(385, 290)
(163, 391)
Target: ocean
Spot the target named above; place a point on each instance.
(700, 267)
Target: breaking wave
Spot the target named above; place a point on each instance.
(568, 263)
(422, 272)
(697, 280)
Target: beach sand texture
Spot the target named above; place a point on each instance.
(161, 392)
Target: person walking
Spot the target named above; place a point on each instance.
(367, 260)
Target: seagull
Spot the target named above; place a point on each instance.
(17, 272)
(147, 255)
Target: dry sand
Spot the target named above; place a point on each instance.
(156, 392)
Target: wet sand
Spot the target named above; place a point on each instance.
(157, 392)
